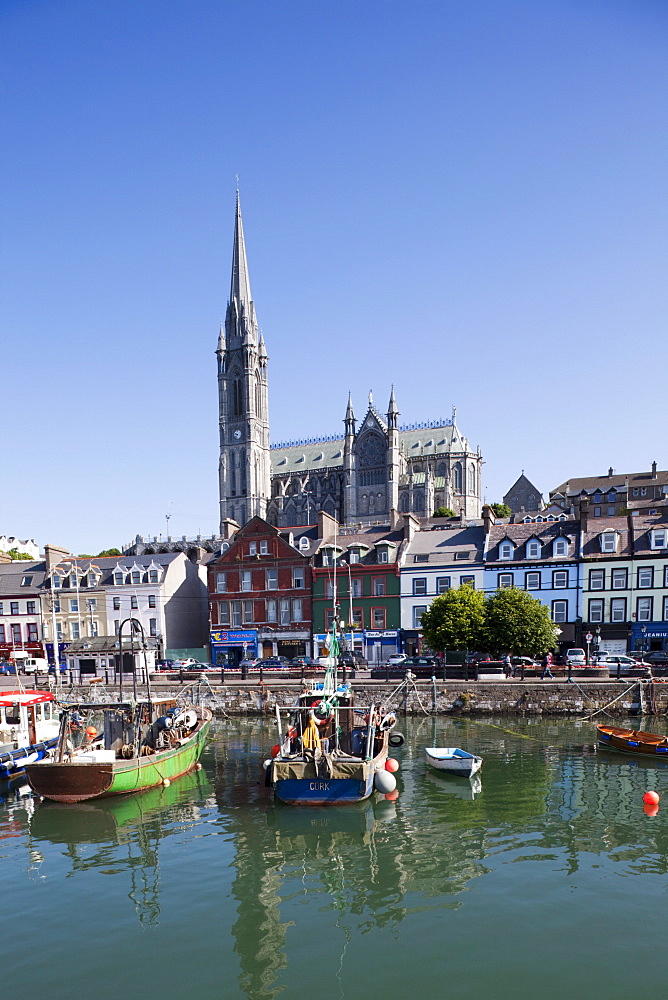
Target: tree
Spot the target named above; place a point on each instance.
(15, 554)
(108, 552)
(518, 623)
(455, 620)
(501, 509)
(444, 512)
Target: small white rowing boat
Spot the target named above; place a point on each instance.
(453, 760)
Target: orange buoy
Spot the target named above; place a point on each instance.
(651, 809)
(651, 798)
(275, 750)
(392, 796)
(91, 731)
(391, 764)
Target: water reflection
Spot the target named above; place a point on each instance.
(121, 835)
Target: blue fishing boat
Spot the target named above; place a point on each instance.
(28, 730)
(332, 752)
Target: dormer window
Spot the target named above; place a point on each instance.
(560, 547)
(303, 543)
(658, 537)
(506, 550)
(354, 556)
(382, 555)
(608, 541)
(118, 578)
(533, 549)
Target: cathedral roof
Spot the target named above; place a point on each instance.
(313, 454)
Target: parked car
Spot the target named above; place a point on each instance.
(576, 658)
(250, 662)
(303, 661)
(624, 665)
(396, 658)
(183, 664)
(524, 661)
(7, 668)
(273, 662)
(657, 657)
(351, 660)
(165, 665)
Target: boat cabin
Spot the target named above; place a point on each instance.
(26, 718)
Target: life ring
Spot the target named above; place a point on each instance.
(396, 740)
(321, 721)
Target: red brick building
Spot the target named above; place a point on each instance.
(260, 593)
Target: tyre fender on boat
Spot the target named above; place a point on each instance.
(396, 739)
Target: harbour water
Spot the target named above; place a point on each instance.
(544, 879)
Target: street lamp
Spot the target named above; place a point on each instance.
(643, 630)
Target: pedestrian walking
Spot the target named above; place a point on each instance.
(547, 664)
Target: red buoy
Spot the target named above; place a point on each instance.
(650, 810)
(392, 796)
(391, 764)
(275, 750)
(651, 798)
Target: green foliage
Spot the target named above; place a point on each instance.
(15, 554)
(109, 552)
(455, 620)
(517, 623)
(501, 509)
(444, 512)
(84, 555)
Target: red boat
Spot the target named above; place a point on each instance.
(633, 741)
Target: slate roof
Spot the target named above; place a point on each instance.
(573, 487)
(11, 575)
(442, 544)
(425, 443)
(519, 534)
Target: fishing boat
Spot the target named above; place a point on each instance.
(140, 745)
(633, 741)
(332, 752)
(29, 728)
(453, 760)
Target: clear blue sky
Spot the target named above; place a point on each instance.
(465, 199)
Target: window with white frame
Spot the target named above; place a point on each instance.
(75, 631)
(151, 601)
(560, 579)
(644, 609)
(117, 604)
(419, 586)
(14, 607)
(382, 555)
(30, 607)
(417, 614)
(284, 610)
(248, 610)
(246, 580)
(224, 613)
(665, 576)
(378, 586)
(298, 578)
(303, 542)
(356, 587)
(153, 576)
(533, 549)
(329, 588)
(532, 581)
(506, 550)
(608, 541)
(236, 613)
(442, 584)
(467, 581)
(645, 577)
(659, 538)
(378, 618)
(118, 579)
(221, 583)
(297, 610)
(252, 548)
(133, 603)
(271, 579)
(559, 611)
(618, 609)
(560, 547)
(74, 605)
(136, 576)
(354, 556)
(505, 580)
(596, 610)
(153, 626)
(264, 547)
(665, 609)
(271, 611)
(619, 579)
(597, 579)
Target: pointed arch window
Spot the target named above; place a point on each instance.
(457, 478)
(472, 478)
(258, 396)
(237, 397)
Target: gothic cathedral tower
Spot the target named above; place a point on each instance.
(243, 404)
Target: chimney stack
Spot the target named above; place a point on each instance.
(610, 473)
(653, 470)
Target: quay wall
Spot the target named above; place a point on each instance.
(621, 698)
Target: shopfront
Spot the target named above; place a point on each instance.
(231, 646)
(649, 637)
(381, 645)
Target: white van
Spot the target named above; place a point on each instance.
(33, 665)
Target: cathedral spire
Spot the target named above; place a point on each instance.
(350, 417)
(240, 289)
(392, 411)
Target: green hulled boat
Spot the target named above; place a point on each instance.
(141, 745)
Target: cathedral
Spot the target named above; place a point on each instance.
(375, 467)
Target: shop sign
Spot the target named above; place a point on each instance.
(392, 634)
(228, 637)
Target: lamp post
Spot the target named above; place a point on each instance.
(643, 630)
